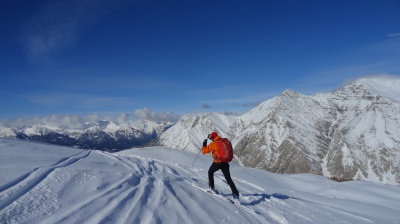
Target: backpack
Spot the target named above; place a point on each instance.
(225, 150)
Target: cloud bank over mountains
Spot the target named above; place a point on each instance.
(148, 114)
(73, 122)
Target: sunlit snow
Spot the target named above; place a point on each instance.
(42, 183)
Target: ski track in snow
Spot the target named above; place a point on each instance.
(24, 184)
(100, 187)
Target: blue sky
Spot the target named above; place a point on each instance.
(113, 57)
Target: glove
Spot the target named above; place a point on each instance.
(205, 142)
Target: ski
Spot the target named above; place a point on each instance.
(231, 201)
(217, 194)
(242, 209)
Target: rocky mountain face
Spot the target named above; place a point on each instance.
(350, 133)
(103, 135)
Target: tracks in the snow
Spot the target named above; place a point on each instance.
(14, 190)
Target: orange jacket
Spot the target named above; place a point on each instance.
(213, 148)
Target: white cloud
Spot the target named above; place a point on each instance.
(148, 114)
(59, 24)
(122, 118)
(394, 35)
(389, 77)
(68, 122)
(79, 122)
(59, 121)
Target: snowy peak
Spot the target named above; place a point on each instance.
(290, 93)
(190, 131)
(385, 86)
(283, 102)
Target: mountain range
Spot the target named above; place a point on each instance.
(350, 133)
(102, 135)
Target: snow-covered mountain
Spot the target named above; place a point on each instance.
(189, 132)
(350, 133)
(42, 183)
(102, 135)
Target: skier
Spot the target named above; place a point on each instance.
(218, 165)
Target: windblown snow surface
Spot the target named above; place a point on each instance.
(51, 184)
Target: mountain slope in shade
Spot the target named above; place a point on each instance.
(352, 132)
(103, 135)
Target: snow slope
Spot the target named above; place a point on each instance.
(51, 184)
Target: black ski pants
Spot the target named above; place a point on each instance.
(225, 170)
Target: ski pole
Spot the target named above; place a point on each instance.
(196, 157)
(199, 152)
